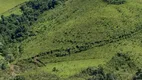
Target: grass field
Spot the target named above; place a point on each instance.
(6, 5)
(68, 68)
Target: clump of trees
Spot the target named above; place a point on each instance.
(122, 61)
(116, 1)
(99, 74)
(16, 28)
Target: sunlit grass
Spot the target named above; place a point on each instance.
(6, 5)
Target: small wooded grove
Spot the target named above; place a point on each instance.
(16, 28)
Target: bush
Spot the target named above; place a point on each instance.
(3, 63)
(54, 69)
(98, 74)
(4, 66)
(91, 71)
(115, 1)
(122, 61)
(138, 75)
(19, 78)
(9, 57)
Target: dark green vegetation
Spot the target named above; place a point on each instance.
(72, 40)
(116, 1)
(16, 28)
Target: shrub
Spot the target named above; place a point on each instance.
(54, 69)
(98, 74)
(4, 66)
(91, 71)
(9, 57)
(122, 61)
(19, 78)
(115, 1)
(3, 63)
(138, 75)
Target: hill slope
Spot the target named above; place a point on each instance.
(79, 34)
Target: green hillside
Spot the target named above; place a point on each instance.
(72, 40)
